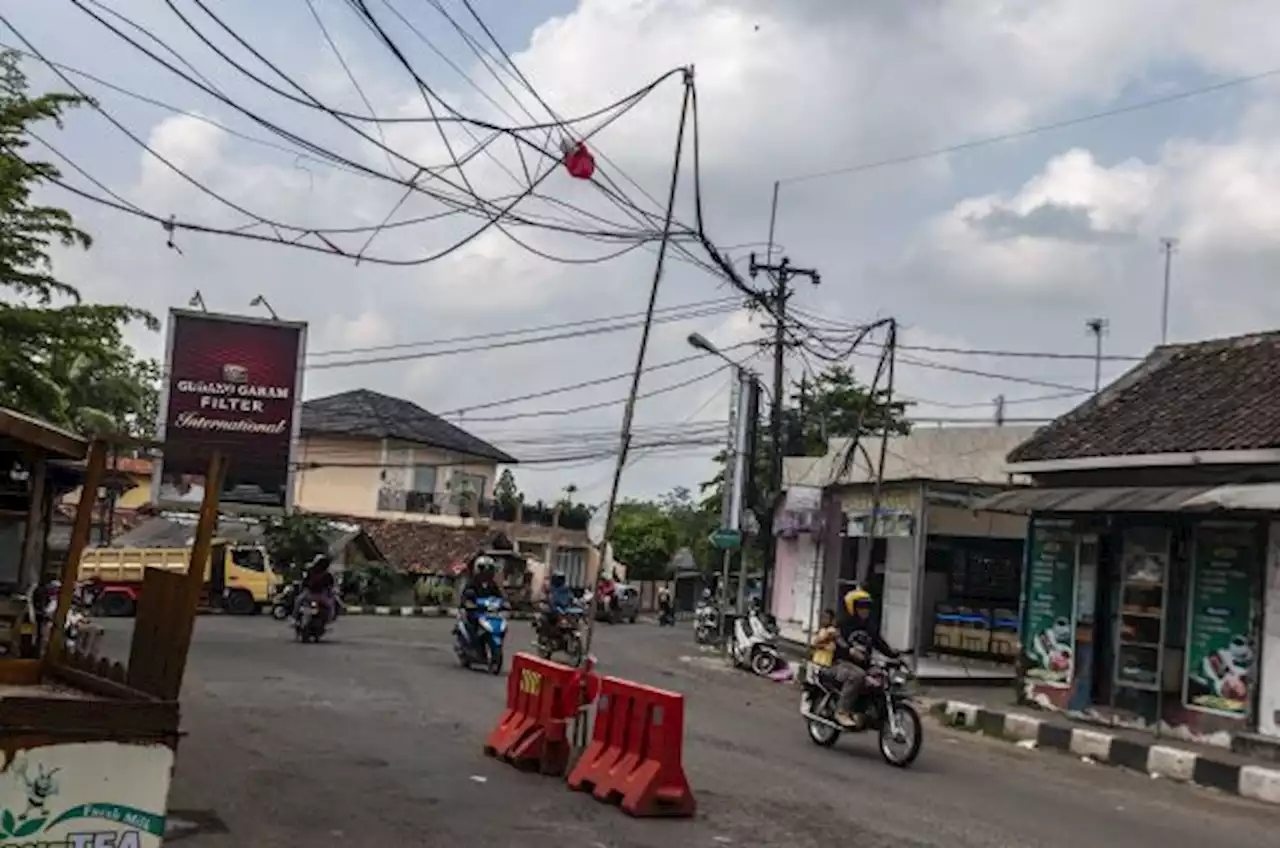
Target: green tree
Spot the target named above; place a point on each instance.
(66, 362)
(692, 524)
(830, 406)
(644, 538)
(505, 491)
(293, 540)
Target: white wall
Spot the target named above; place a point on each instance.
(1269, 694)
(794, 602)
(900, 574)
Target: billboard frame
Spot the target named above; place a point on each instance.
(295, 430)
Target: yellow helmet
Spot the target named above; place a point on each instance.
(854, 598)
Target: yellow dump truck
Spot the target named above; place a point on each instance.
(238, 577)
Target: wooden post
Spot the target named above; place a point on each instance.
(95, 469)
(201, 547)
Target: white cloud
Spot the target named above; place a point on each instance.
(1006, 252)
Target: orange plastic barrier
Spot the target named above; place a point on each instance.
(532, 733)
(635, 751)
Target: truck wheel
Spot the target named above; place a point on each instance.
(240, 602)
(115, 605)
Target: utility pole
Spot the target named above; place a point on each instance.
(1168, 244)
(1097, 328)
(999, 410)
(781, 275)
(750, 427)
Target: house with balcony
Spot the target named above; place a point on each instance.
(366, 455)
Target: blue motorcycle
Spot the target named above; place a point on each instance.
(482, 646)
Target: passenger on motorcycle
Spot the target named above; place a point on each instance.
(481, 584)
(318, 583)
(858, 636)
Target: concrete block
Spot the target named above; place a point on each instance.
(1173, 763)
(1260, 784)
(1019, 727)
(1091, 743)
(960, 714)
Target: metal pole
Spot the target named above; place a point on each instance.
(877, 487)
(1097, 326)
(727, 500)
(1169, 244)
(630, 409)
(739, 481)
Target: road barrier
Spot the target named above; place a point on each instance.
(532, 733)
(635, 753)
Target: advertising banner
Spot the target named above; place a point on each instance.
(1220, 645)
(233, 385)
(95, 793)
(1049, 628)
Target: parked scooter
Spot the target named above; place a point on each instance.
(286, 598)
(753, 645)
(483, 647)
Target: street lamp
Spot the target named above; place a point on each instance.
(702, 343)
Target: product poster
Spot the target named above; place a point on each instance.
(1220, 649)
(85, 794)
(1049, 631)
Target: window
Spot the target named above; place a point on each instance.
(250, 558)
(424, 478)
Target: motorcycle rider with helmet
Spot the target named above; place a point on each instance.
(318, 583)
(481, 584)
(858, 636)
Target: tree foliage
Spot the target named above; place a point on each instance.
(830, 406)
(505, 491)
(60, 359)
(293, 540)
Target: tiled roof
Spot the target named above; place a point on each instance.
(1219, 395)
(370, 414)
(419, 546)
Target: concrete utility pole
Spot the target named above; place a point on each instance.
(999, 410)
(781, 275)
(1097, 328)
(1168, 244)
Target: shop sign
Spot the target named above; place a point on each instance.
(85, 795)
(895, 517)
(1220, 639)
(1049, 632)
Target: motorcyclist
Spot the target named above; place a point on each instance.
(664, 601)
(858, 636)
(318, 583)
(480, 585)
(559, 599)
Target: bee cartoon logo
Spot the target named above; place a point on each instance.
(38, 788)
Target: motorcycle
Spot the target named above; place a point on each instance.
(284, 601)
(667, 616)
(77, 622)
(883, 706)
(706, 624)
(485, 646)
(753, 645)
(566, 636)
(311, 620)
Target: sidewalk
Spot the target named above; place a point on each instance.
(996, 714)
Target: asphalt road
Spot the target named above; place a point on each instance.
(374, 737)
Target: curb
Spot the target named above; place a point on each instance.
(1157, 760)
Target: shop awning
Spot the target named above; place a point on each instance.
(1259, 497)
(1094, 499)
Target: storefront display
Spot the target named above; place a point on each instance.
(1144, 568)
(1220, 645)
(1050, 603)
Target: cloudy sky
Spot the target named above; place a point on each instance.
(874, 117)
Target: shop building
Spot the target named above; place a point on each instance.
(945, 577)
(1152, 589)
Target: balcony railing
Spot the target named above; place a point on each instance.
(442, 503)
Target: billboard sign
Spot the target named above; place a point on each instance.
(232, 384)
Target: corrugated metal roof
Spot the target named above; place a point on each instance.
(952, 454)
(1092, 499)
